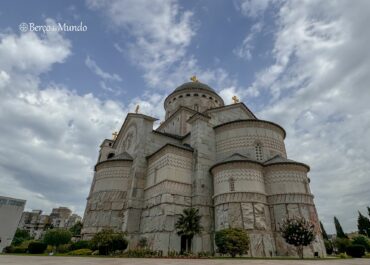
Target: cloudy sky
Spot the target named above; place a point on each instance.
(302, 64)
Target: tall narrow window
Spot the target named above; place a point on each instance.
(196, 107)
(155, 175)
(231, 184)
(259, 154)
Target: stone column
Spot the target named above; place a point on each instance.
(203, 142)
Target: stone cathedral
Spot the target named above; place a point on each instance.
(220, 159)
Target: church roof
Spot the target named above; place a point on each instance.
(181, 146)
(278, 159)
(122, 156)
(195, 85)
(252, 120)
(236, 157)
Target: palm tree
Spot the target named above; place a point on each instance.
(188, 225)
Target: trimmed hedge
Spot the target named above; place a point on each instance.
(11, 249)
(355, 251)
(36, 247)
(80, 245)
(81, 252)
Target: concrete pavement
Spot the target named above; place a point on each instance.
(62, 260)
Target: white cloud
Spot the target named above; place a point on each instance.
(49, 135)
(318, 90)
(4, 79)
(254, 8)
(92, 65)
(161, 33)
(30, 53)
(244, 50)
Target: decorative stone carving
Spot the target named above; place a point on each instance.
(248, 216)
(234, 215)
(260, 216)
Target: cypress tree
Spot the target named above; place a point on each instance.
(368, 210)
(338, 228)
(324, 234)
(363, 225)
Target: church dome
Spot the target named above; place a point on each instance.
(195, 85)
(193, 95)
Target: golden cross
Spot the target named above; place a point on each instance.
(137, 108)
(235, 99)
(114, 135)
(194, 78)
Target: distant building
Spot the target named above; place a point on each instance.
(37, 223)
(10, 212)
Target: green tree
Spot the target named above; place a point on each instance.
(363, 225)
(363, 241)
(188, 225)
(232, 241)
(298, 232)
(57, 237)
(76, 229)
(341, 244)
(107, 241)
(20, 236)
(324, 234)
(328, 246)
(339, 229)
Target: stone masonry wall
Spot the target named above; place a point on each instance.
(242, 138)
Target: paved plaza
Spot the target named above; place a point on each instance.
(42, 260)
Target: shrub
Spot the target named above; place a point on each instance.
(22, 248)
(81, 252)
(64, 248)
(80, 245)
(298, 232)
(36, 247)
(355, 251)
(173, 253)
(341, 244)
(142, 253)
(76, 229)
(232, 241)
(57, 237)
(204, 254)
(328, 247)
(20, 236)
(143, 242)
(19, 249)
(9, 249)
(107, 241)
(343, 256)
(363, 241)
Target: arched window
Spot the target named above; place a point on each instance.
(196, 107)
(259, 153)
(231, 184)
(110, 155)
